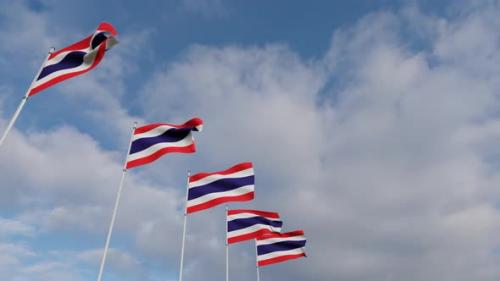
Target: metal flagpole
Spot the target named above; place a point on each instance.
(227, 248)
(117, 202)
(24, 100)
(256, 260)
(184, 228)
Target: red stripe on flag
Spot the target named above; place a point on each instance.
(85, 43)
(80, 45)
(280, 259)
(191, 123)
(234, 169)
(212, 203)
(150, 158)
(51, 82)
(247, 236)
(273, 215)
(106, 26)
(281, 235)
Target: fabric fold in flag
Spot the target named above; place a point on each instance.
(279, 247)
(208, 190)
(75, 59)
(152, 141)
(249, 224)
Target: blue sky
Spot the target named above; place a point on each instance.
(372, 125)
(170, 28)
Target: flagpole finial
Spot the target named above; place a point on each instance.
(52, 49)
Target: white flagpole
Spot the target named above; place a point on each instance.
(227, 248)
(24, 100)
(184, 229)
(256, 260)
(117, 202)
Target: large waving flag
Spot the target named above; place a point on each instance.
(75, 59)
(207, 190)
(152, 141)
(249, 224)
(279, 247)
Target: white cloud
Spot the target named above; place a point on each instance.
(384, 152)
(69, 194)
(372, 149)
(9, 227)
(11, 253)
(27, 25)
(18, 262)
(119, 259)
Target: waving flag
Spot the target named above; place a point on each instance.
(207, 190)
(249, 224)
(279, 247)
(152, 141)
(75, 59)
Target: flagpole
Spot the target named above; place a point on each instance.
(24, 100)
(256, 260)
(117, 202)
(184, 228)
(227, 248)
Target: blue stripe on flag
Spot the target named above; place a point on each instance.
(170, 135)
(71, 60)
(246, 222)
(280, 246)
(221, 185)
(98, 39)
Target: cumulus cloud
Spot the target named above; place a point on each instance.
(383, 151)
(60, 195)
(377, 136)
(60, 182)
(28, 25)
(19, 262)
(10, 227)
(119, 260)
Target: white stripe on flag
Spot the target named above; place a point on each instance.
(251, 229)
(248, 215)
(280, 253)
(154, 132)
(280, 239)
(88, 60)
(152, 149)
(62, 55)
(209, 197)
(212, 178)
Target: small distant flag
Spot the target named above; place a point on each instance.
(75, 59)
(249, 224)
(207, 190)
(279, 247)
(152, 141)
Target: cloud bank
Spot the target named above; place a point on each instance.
(383, 150)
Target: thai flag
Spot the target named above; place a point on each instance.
(207, 190)
(249, 224)
(152, 141)
(75, 59)
(279, 247)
